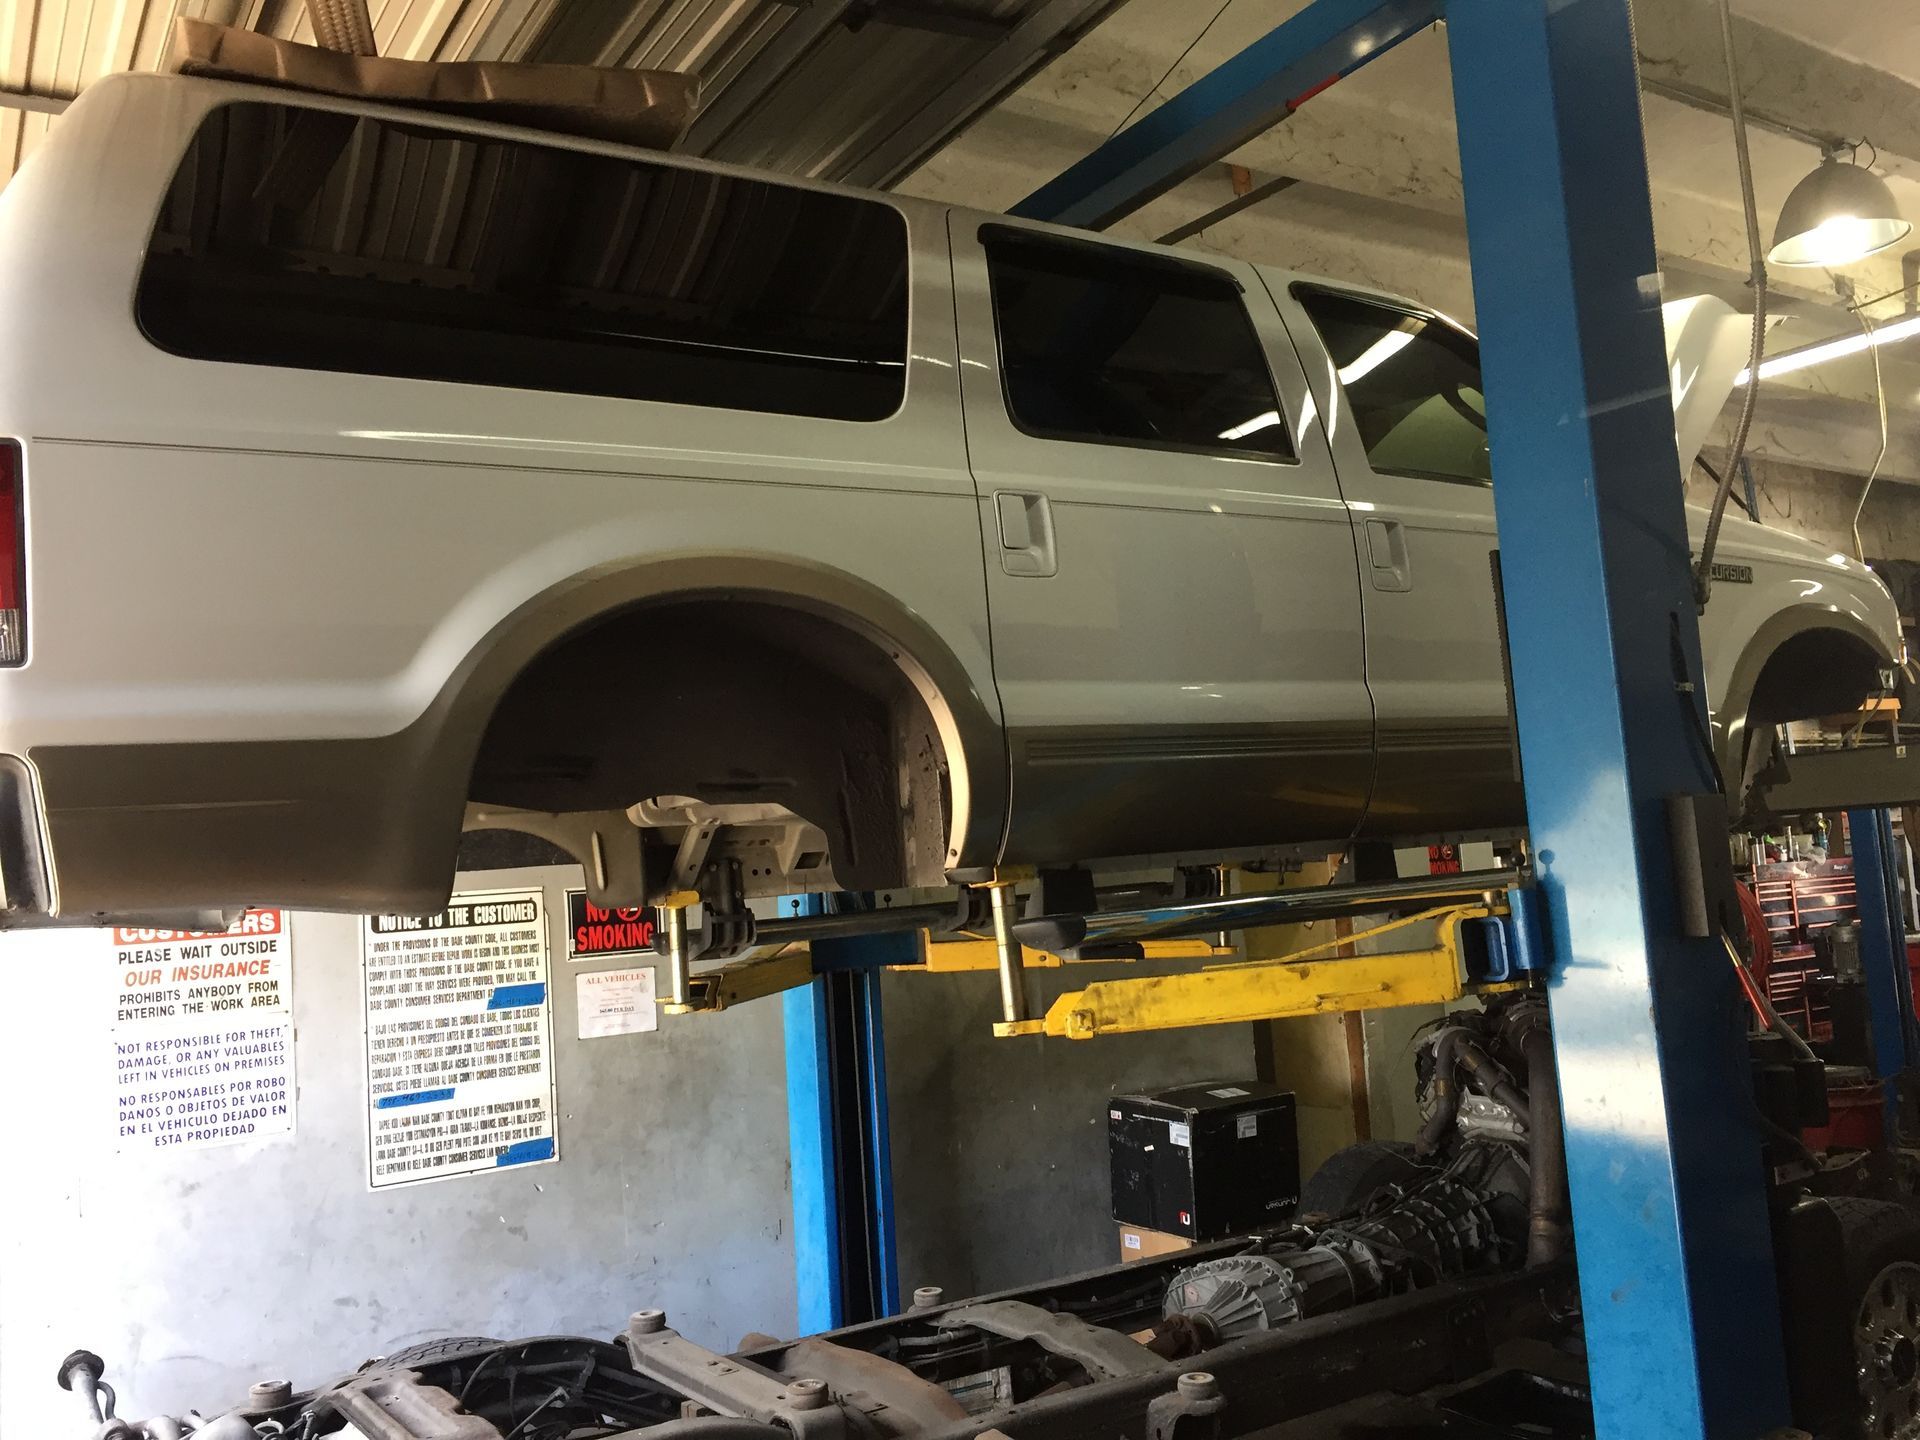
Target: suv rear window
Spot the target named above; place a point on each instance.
(323, 241)
(1104, 344)
(1413, 382)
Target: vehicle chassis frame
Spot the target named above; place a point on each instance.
(1404, 1343)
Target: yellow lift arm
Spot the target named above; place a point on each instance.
(755, 976)
(1306, 982)
(1296, 984)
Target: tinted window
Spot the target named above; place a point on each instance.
(1104, 344)
(328, 242)
(1413, 382)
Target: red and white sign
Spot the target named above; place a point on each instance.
(202, 1032)
(593, 930)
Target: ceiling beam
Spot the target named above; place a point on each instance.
(1788, 84)
(39, 104)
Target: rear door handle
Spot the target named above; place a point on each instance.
(1387, 558)
(1026, 532)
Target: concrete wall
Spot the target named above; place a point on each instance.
(1000, 1146)
(194, 1273)
(1819, 504)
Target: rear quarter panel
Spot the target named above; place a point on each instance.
(239, 551)
(236, 552)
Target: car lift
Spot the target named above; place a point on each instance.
(827, 964)
(1883, 954)
(1676, 1268)
(845, 1260)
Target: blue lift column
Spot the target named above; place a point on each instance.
(1664, 1154)
(1663, 1151)
(1883, 953)
(840, 1159)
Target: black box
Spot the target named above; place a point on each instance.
(1216, 1158)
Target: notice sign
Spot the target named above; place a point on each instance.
(593, 931)
(202, 1034)
(615, 1002)
(459, 1039)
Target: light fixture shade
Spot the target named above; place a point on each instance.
(1838, 214)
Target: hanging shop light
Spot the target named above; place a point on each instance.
(1840, 213)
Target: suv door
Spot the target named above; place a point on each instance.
(1172, 585)
(1401, 389)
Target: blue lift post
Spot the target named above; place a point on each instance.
(846, 1268)
(1669, 1211)
(1883, 952)
(1664, 1156)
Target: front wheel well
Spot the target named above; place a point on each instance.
(1816, 672)
(1821, 670)
(731, 700)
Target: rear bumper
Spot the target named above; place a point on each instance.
(142, 833)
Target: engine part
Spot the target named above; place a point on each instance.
(1234, 1297)
(1549, 1226)
(1349, 1178)
(1482, 1118)
(1496, 1186)
(1437, 1231)
(1459, 1063)
(81, 1373)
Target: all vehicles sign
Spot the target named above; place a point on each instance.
(202, 1034)
(593, 931)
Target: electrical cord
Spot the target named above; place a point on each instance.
(1763, 1006)
(1757, 265)
(1742, 1082)
(1759, 937)
(1179, 60)
(1683, 691)
(1880, 391)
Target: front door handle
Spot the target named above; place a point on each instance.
(1387, 557)
(1026, 532)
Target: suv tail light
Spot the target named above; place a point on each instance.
(13, 557)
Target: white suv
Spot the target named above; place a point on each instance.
(379, 473)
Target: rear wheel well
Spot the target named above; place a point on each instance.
(731, 700)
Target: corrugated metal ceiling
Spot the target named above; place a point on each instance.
(856, 90)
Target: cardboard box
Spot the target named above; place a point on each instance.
(1139, 1243)
(1203, 1161)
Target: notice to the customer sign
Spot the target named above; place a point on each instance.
(459, 1039)
(202, 1034)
